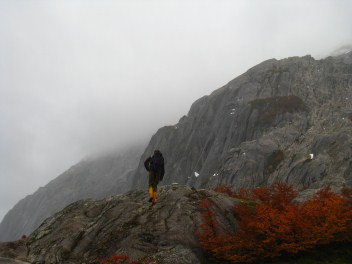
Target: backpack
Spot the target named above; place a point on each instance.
(156, 163)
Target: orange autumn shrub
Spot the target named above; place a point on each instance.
(114, 260)
(276, 225)
(209, 226)
(242, 193)
(224, 189)
(332, 215)
(347, 194)
(122, 259)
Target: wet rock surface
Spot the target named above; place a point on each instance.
(128, 225)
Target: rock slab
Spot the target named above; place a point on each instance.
(128, 225)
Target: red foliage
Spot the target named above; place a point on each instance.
(347, 193)
(242, 193)
(209, 225)
(122, 259)
(114, 260)
(332, 215)
(277, 195)
(275, 225)
(224, 189)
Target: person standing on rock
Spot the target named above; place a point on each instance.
(155, 166)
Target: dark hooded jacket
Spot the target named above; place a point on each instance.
(155, 164)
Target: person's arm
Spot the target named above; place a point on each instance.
(146, 163)
(162, 170)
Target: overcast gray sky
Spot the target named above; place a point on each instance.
(81, 76)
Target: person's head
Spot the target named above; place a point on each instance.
(157, 152)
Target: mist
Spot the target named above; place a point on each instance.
(82, 77)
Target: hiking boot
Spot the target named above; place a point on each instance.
(150, 199)
(154, 197)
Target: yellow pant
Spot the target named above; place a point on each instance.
(153, 184)
(152, 194)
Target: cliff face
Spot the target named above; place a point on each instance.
(288, 120)
(91, 178)
(125, 225)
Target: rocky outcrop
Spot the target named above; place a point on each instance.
(11, 261)
(91, 178)
(283, 120)
(128, 225)
(13, 252)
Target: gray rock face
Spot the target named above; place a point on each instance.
(128, 225)
(262, 127)
(91, 178)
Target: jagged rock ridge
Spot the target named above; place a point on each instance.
(91, 178)
(263, 127)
